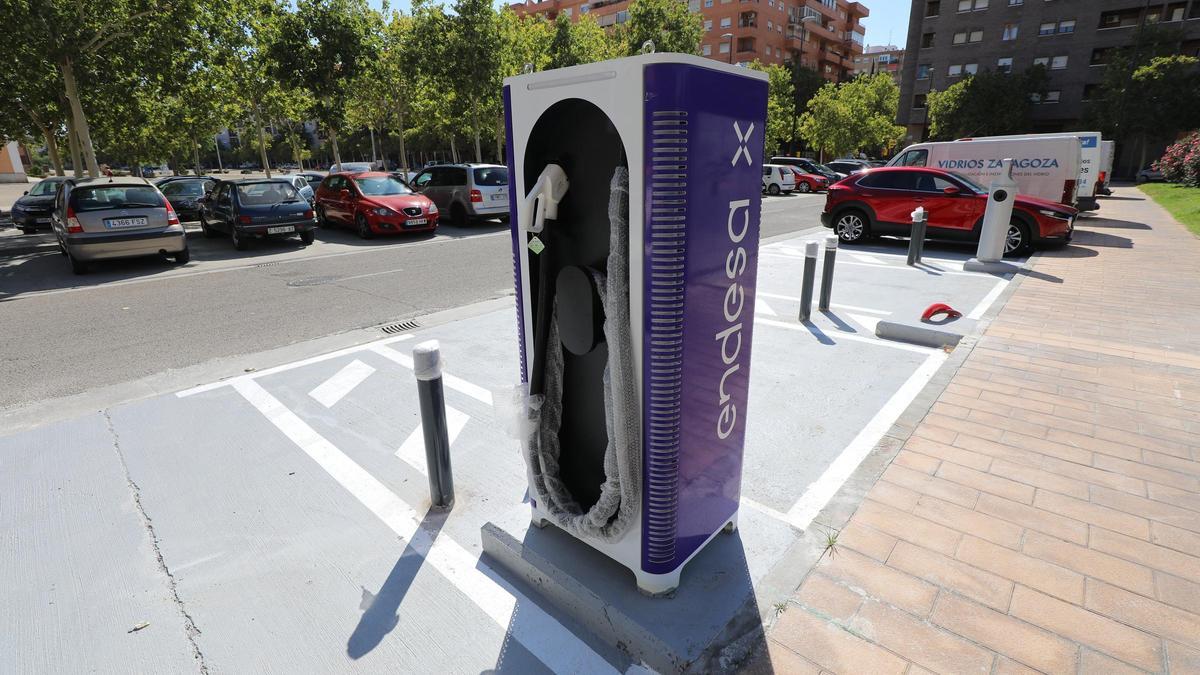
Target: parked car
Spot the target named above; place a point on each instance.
(1149, 174)
(809, 182)
(33, 208)
(106, 218)
(880, 201)
(810, 166)
(777, 179)
(313, 178)
(257, 208)
(374, 203)
(849, 166)
(466, 191)
(302, 186)
(350, 167)
(186, 194)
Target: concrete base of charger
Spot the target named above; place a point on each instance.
(989, 266)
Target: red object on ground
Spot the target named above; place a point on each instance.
(940, 308)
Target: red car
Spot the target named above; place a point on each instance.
(373, 202)
(809, 182)
(880, 201)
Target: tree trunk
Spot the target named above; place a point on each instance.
(374, 152)
(73, 143)
(337, 155)
(81, 124)
(295, 151)
(500, 159)
(475, 130)
(196, 156)
(52, 150)
(453, 149)
(262, 143)
(400, 133)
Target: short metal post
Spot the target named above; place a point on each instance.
(916, 240)
(810, 275)
(831, 244)
(427, 366)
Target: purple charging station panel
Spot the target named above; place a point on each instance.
(703, 176)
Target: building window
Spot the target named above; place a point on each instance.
(1121, 18)
(1090, 91)
(1047, 28)
(726, 22)
(971, 68)
(706, 50)
(1052, 97)
(1100, 56)
(1014, 3)
(1004, 64)
(927, 40)
(964, 5)
(1058, 63)
(745, 44)
(960, 37)
(707, 24)
(747, 19)
(955, 70)
(932, 8)
(1066, 26)
(622, 16)
(1043, 61)
(923, 70)
(724, 49)
(1010, 31)
(919, 101)
(584, 9)
(708, 3)
(975, 36)
(969, 5)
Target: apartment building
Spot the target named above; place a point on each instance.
(880, 59)
(825, 35)
(950, 39)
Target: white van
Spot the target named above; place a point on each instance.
(1047, 167)
(777, 178)
(1091, 160)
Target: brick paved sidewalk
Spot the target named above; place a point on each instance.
(1045, 514)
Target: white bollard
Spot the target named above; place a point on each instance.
(994, 233)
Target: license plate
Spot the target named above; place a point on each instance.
(416, 221)
(43, 220)
(119, 223)
(498, 196)
(281, 229)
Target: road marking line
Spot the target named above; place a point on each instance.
(761, 307)
(868, 322)
(289, 366)
(341, 383)
(987, 301)
(818, 494)
(854, 308)
(863, 257)
(456, 383)
(852, 338)
(412, 451)
(548, 640)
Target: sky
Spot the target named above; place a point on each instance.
(888, 23)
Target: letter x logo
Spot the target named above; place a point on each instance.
(742, 139)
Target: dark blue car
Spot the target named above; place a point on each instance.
(257, 208)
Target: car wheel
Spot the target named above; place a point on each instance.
(207, 231)
(307, 238)
(1018, 241)
(239, 240)
(321, 222)
(458, 215)
(28, 230)
(804, 187)
(772, 189)
(851, 227)
(364, 229)
(183, 256)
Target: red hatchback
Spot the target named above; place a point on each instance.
(809, 182)
(373, 203)
(880, 201)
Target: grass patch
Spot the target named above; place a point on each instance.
(1182, 202)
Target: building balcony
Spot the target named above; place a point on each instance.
(857, 9)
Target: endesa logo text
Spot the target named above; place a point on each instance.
(732, 307)
(1023, 163)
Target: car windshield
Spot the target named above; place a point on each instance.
(825, 168)
(45, 188)
(105, 197)
(352, 167)
(491, 176)
(380, 186)
(184, 188)
(266, 194)
(979, 189)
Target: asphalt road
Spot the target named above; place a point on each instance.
(63, 334)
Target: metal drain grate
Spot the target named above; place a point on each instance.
(267, 264)
(393, 328)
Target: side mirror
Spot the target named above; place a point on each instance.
(25, 192)
(951, 191)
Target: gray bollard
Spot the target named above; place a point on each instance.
(427, 366)
(916, 239)
(810, 275)
(831, 244)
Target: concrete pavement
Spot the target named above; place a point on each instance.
(1044, 515)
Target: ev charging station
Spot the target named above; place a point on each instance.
(634, 207)
(997, 216)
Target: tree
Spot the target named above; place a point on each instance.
(780, 105)
(472, 61)
(35, 108)
(806, 82)
(322, 47)
(853, 116)
(669, 24)
(524, 40)
(582, 41)
(990, 103)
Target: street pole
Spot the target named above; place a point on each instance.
(730, 37)
(217, 143)
(427, 366)
(831, 246)
(806, 284)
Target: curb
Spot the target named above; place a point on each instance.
(918, 335)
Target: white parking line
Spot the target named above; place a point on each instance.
(289, 366)
(329, 392)
(548, 640)
(761, 307)
(987, 300)
(868, 322)
(456, 383)
(902, 346)
(854, 308)
(824, 488)
(412, 451)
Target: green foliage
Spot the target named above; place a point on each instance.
(780, 106)
(854, 116)
(669, 24)
(581, 41)
(1183, 202)
(990, 103)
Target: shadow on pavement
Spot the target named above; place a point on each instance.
(380, 615)
(1089, 238)
(1114, 224)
